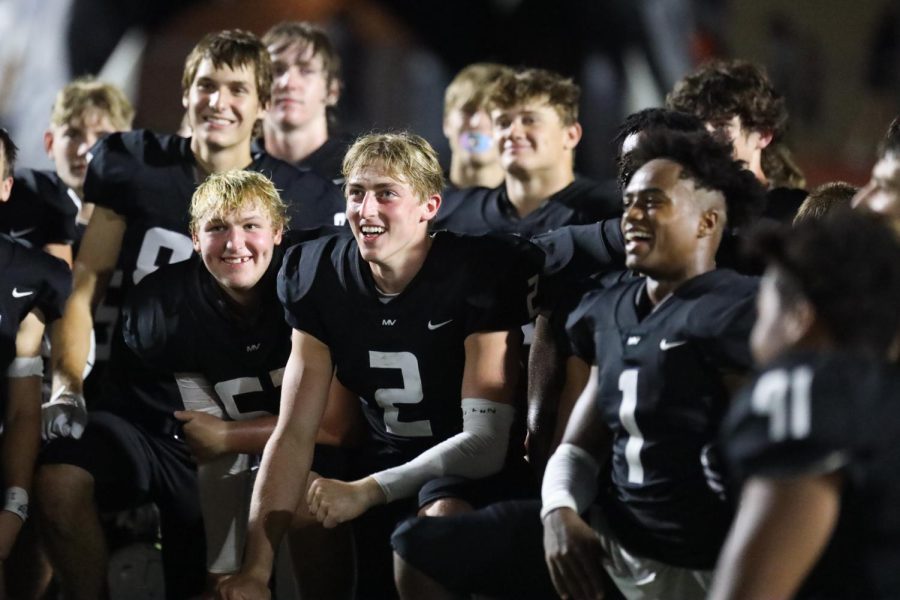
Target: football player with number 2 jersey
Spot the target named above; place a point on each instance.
(424, 329)
(813, 441)
(661, 351)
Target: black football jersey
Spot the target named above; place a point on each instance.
(29, 279)
(812, 414)
(483, 210)
(39, 210)
(405, 358)
(327, 160)
(149, 179)
(661, 394)
(179, 320)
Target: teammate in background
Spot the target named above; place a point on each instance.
(474, 157)
(535, 123)
(215, 324)
(299, 126)
(813, 440)
(737, 98)
(431, 346)
(835, 195)
(131, 450)
(33, 288)
(882, 193)
(663, 350)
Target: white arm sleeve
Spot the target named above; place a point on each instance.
(478, 451)
(570, 480)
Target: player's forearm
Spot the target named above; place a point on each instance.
(250, 436)
(21, 432)
(71, 339)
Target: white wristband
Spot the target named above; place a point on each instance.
(31, 366)
(570, 480)
(17, 502)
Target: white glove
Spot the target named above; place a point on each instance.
(65, 415)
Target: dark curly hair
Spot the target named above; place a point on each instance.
(517, 87)
(846, 266)
(708, 161)
(721, 89)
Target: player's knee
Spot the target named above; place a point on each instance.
(445, 507)
(62, 492)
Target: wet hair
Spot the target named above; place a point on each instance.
(517, 87)
(722, 89)
(232, 48)
(708, 161)
(891, 142)
(87, 93)
(226, 193)
(10, 151)
(644, 120)
(825, 198)
(469, 89)
(403, 156)
(846, 267)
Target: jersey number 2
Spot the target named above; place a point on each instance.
(390, 399)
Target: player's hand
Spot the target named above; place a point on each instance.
(243, 586)
(205, 434)
(65, 415)
(10, 525)
(573, 554)
(334, 502)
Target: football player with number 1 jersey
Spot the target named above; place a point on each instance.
(814, 440)
(424, 329)
(661, 350)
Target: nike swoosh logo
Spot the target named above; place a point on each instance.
(664, 345)
(433, 326)
(21, 232)
(17, 294)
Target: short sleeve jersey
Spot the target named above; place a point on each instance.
(662, 395)
(405, 358)
(810, 414)
(149, 179)
(29, 279)
(39, 210)
(484, 210)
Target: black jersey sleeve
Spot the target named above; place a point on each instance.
(580, 327)
(55, 288)
(504, 283)
(302, 269)
(111, 169)
(796, 418)
(726, 318)
(58, 212)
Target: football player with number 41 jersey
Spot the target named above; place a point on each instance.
(661, 350)
(425, 329)
(814, 440)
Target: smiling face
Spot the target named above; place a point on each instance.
(532, 137)
(68, 144)
(663, 220)
(301, 91)
(389, 221)
(882, 193)
(470, 134)
(237, 249)
(222, 106)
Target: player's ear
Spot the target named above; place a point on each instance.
(48, 143)
(195, 240)
(6, 188)
(430, 207)
(709, 222)
(801, 320)
(334, 92)
(573, 135)
(279, 232)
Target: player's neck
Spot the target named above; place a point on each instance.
(661, 287)
(528, 191)
(219, 160)
(296, 144)
(392, 277)
(755, 167)
(465, 174)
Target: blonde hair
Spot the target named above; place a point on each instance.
(469, 89)
(227, 193)
(403, 156)
(86, 93)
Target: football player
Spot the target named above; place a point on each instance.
(813, 440)
(535, 127)
(33, 288)
(663, 352)
(882, 193)
(425, 329)
(131, 451)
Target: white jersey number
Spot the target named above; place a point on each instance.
(389, 399)
(628, 385)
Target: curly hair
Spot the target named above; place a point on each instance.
(722, 89)
(707, 160)
(514, 88)
(846, 266)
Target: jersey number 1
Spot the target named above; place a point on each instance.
(628, 385)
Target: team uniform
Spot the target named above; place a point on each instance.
(149, 179)
(812, 414)
(662, 396)
(39, 210)
(484, 210)
(327, 160)
(404, 357)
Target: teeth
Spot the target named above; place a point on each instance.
(216, 121)
(235, 260)
(372, 229)
(637, 235)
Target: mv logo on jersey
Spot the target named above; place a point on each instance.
(253, 347)
(388, 322)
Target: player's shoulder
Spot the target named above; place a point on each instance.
(313, 251)
(595, 199)
(491, 249)
(284, 175)
(34, 274)
(717, 295)
(143, 145)
(459, 204)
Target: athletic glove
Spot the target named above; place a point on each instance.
(65, 415)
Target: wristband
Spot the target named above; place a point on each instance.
(17, 502)
(32, 366)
